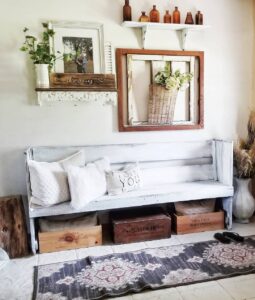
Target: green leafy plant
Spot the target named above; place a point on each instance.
(39, 51)
(173, 80)
(244, 152)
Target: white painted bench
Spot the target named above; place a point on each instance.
(171, 171)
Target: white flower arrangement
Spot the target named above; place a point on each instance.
(173, 81)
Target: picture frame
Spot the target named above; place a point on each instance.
(82, 46)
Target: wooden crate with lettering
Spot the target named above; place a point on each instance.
(140, 225)
(198, 222)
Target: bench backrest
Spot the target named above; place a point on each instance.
(161, 163)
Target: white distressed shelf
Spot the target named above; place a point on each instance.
(51, 97)
(183, 29)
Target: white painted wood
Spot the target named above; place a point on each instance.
(171, 172)
(147, 196)
(75, 98)
(224, 161)
(182, 29)
(125, 153)
(164, 26)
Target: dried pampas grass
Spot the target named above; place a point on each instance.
(244, 152)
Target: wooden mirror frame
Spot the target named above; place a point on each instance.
(122, 53)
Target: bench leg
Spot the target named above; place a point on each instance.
(227, 204)
(34, 244)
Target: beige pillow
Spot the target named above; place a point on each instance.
(125, 180)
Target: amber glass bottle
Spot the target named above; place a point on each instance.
(199, 18)
(167, 17)
(154, 15)
(176, 16)
(127, 14)
(144, 17)
(189, 19)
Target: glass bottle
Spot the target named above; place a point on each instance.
(127, 14)
(154, 15)
(167, 17)
(144, 17)
(189, 19)
(176, 16)
(199, 18)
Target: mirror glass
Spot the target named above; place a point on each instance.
(146, 105)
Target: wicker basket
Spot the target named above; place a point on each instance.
(161, 105)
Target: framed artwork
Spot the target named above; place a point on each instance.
(81, 45)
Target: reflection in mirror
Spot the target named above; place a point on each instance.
(146, 105)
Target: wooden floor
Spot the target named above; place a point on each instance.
(16, 279)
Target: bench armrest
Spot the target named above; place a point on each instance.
(223, 161)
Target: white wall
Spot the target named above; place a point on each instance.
(228, 47)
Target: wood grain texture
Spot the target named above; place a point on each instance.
(92, 82)
(70, 239)
(134, 225)
(13, 232)
(198, 222)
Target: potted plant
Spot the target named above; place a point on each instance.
(244, 163)
(41, 54)
(163, 94)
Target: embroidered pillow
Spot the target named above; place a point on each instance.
(49, 182)
(121, 181)
(87, 183)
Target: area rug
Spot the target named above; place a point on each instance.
(131, 272)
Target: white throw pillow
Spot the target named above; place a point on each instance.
(49, 182)
(87, 183)
(121, 181)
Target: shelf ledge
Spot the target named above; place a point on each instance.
(49, 97)
(183, 29)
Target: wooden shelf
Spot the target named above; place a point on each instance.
(183, 29)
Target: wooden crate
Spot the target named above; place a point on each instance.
(135, 226)
(198, 222)
(70, 239)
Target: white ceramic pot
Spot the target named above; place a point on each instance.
(243, 202)
(42, 75)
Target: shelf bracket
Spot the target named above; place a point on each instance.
(144, 34)
(183, 36)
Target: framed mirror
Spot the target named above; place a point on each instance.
(146, 102)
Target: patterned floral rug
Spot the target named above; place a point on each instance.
(119, 274)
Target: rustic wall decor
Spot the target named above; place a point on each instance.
(136, 72)
(90, 82)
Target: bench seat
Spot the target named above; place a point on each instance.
(165, 193)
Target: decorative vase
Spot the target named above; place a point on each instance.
(243, 202)
(127, 13)
(154, 15)
(176, 16)
(42, 75)
(167, 17)
(199, 18)
(144, 17)
(161, 105)
(189, 19)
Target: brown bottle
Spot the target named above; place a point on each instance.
(144, 17)
(127, 14)
(176, 16)
(154, 15)
(189, 19)
(167, 17)
(199, 18)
